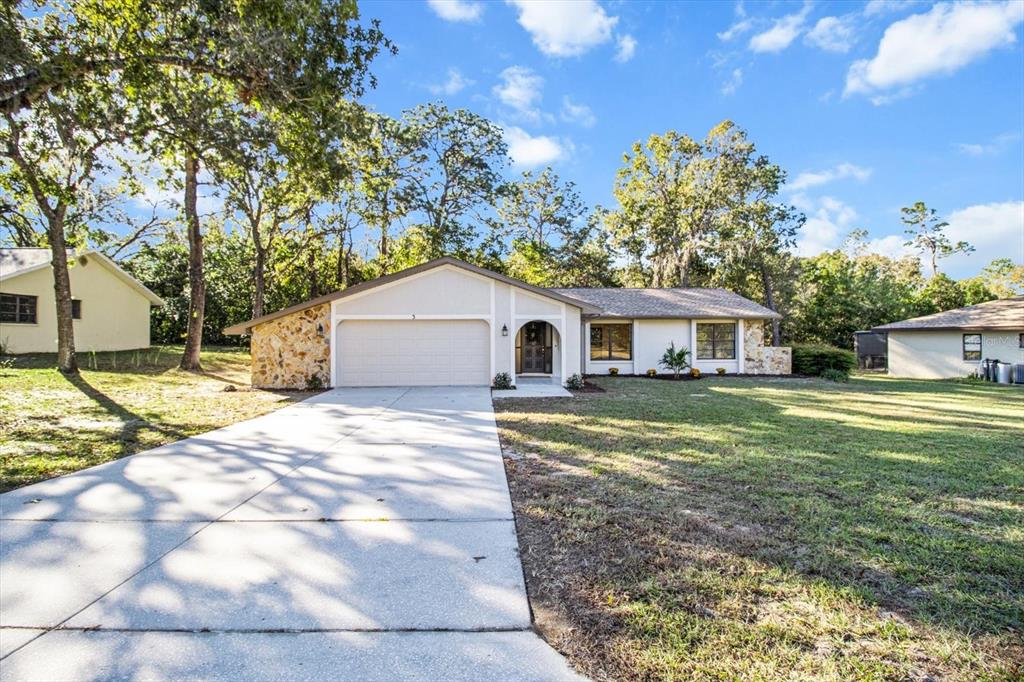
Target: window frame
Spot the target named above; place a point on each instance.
(964, 351)
(1020, 340)
(18, 301)
(606, 342)
(76, 314)
(715, 341)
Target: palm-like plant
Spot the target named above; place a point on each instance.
(675, 359)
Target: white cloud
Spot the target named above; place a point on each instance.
(829, 220)
(832, 34)
(520, 89)
(529, 151)
(734, 82)
(998, 145)
(995, 230)
(565, 28)
(782, 32)
(876, 7)
(455, 83)
(627, 48)
(893, 246)
(456, 10)
(839, 172)
(940, 41)
(577, 113)
(742, 24)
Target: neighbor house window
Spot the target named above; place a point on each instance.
(716, 341)
(76, 309)
(972, 346)
(1020, 340)
(611, 341)
(17, 309)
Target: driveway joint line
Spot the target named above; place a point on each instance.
(254, 631)
(207, 525)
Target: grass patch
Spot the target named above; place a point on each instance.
(764, 529)
(120, 404)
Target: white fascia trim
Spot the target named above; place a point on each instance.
(416, 316)
(541, 317)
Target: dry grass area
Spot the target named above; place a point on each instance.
(121, 403)
(765, 529)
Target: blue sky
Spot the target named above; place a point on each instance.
(868, 106)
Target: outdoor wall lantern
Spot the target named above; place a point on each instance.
(504, 330)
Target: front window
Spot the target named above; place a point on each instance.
(972, 346)
(17, 309)
(716, 341)
(611, 341)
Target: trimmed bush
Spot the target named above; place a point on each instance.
(503, 382)
(836, 375)
(652, 373)
(614, 371)
(574, 383)
(695, 373)
(720, 370)
(814, 360)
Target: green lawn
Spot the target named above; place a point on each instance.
(736, 528)
(121, 403)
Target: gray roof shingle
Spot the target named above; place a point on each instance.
(670, 303)
(13, 261)
(1005, 313)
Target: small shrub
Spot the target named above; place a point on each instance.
(720, 370)
(502, 382)
(675, 360)
(315, 382)
(652, 373)
(813, 360)
(836, 375)
(695, 373)
(614, 371)
(574, 383)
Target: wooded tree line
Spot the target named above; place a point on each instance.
(258, 102)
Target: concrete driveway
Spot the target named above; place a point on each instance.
(362, 534)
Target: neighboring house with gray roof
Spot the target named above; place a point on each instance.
(109, 307)
(954, 343)
(450, 322)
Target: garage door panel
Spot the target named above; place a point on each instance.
(412, 352)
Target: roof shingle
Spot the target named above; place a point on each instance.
(670, 303)
(1005, 313)
(16, 260)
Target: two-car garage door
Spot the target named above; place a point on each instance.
(412, 353)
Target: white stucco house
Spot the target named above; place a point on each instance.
(110, 308)
(954, 343)
(448, 322)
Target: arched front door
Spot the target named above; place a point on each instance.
(535, 348)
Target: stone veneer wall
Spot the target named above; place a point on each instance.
(762, 359)
(289, 351)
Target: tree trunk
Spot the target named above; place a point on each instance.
(259, 281)
(314, 285)
(67, 363)
(196, 277)
(342, 265)
(769, 302)
(935, 264)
